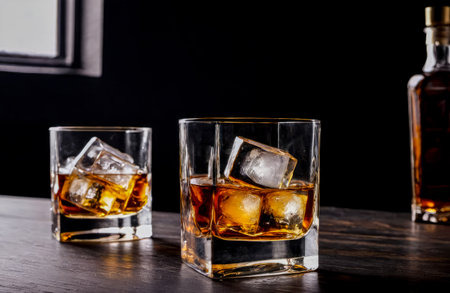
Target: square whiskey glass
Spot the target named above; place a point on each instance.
(100, 180)
(249, 195)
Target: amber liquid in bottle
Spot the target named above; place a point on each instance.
(429, 109)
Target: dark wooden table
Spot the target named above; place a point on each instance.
(360, 250)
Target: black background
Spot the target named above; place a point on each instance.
(345, 64)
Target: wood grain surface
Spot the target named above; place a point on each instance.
(360, 251)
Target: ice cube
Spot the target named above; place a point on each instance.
(115, 170)
(101, 179)
(67, 166)
(260, 165)
(78, 187)
(94, 150)
(89, 194)
(237, 209)
(285, 209)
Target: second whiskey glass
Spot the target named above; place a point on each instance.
(249, 195)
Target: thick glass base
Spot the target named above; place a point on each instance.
(114, 228)
(430, 215)
(261, 268)
(217, 258)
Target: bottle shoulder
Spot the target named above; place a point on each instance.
(430, 80)
(415, 80)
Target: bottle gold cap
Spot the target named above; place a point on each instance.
(435, 16)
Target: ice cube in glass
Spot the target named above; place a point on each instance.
(284, 212)
(259, 165)
(101, 179)
(237, 211)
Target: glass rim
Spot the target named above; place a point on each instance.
(256, 120)
(100, 128)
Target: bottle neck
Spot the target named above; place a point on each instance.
(438, 49)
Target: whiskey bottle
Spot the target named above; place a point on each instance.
(429, 114)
